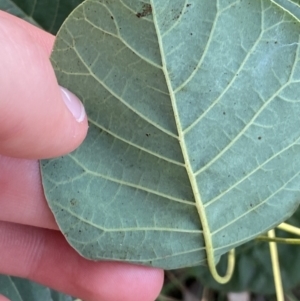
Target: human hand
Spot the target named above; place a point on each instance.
(35, 123)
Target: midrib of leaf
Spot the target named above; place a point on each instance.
(194, 186)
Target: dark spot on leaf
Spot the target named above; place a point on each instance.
(188, 5)
(146, 11)
(112, 17)
(73, 202)
(251, 205)
(259, 138)
(224, 113)
(148, 135)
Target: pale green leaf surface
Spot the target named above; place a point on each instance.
(194, 128)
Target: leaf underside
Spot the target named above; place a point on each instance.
(193, 143)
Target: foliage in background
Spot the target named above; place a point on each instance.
(17, 289)
(48, 14)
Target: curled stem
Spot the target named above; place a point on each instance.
(230, 268)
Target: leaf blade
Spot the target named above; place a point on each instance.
(167, 126)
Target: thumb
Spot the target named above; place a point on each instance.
(38, 119)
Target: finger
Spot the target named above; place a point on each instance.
(38, 118)
(22, 198)
(2, 298)
(44, 39)
(44, 256)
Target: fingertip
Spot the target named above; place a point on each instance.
(43, 38)
(38, 120)
(44, 256)
(134, 282)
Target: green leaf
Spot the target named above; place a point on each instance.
(193, 144)
(17, 289)
(48, 14)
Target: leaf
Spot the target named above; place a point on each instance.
(48, 14)
(193, 144)
(17, 289)
(253, 266)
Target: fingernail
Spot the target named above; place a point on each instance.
(73, 104)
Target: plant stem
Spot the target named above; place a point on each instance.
(276, 267)
(288, 241)
(289, 228)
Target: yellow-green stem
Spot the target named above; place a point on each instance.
(276, 267)
(289, 241)
(289, 228)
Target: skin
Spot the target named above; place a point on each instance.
(35, 123)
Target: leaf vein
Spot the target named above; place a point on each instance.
(121, 100)
(135, 145)
(150, 191)
(250, 173)
(254, 207)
